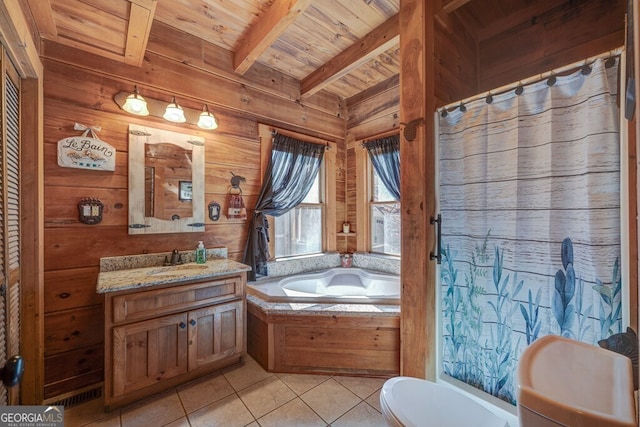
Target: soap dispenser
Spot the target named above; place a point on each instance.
(201, 253)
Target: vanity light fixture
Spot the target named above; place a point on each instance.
(135, 104)
(174, 112)
(207, 120)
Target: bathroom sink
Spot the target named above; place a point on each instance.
(177, 270)
(574, 383)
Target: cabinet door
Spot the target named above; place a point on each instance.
(145, 353)
(215, 333)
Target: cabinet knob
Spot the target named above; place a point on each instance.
(192, 322)
(182, 325)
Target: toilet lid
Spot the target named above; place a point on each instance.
(404, 399)
(416, 402)
(388, 414)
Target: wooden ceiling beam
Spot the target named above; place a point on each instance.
(43, 16)
(392, 83)
(140, 20)
(275, 21)
(379, 40)
(18, 42)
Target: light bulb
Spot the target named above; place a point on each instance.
(207, 120)
(135, 104)
(174, 112)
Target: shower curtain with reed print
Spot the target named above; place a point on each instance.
(530, 203)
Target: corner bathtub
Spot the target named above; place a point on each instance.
(335, 285)
(337, 321)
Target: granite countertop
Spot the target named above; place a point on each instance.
(315, 309)
(132, 278)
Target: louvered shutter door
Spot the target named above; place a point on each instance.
(9, 224)
(12, 181)
(3, 276)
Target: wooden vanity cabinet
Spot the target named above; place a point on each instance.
(159, 337)
(147, 352)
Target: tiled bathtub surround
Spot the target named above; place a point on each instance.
(376, 262)
(302, 265)
(311, 309)
(329, 260)
(154, 260)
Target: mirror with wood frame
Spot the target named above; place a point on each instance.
(166, 181)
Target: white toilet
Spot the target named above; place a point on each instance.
(409, 402)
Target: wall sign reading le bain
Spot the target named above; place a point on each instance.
(84, 152)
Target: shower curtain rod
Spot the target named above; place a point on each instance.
(536, 78)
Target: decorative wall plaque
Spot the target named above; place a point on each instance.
(86, 151)
(237, 209)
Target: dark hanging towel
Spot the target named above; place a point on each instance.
(630, 95)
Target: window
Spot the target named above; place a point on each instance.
(299, 231)
(384, 214)
(294, 202)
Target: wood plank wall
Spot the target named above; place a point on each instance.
(377, 110)
(79, 87)
(569, 32)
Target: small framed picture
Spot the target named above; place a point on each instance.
(185, 192)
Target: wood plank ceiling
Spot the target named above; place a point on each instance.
(340, 46)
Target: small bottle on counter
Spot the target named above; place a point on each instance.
(201, 253)
(346, 260)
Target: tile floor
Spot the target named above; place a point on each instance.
(247, 395)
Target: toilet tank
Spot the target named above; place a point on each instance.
(571, 383)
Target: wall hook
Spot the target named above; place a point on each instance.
(409, 131)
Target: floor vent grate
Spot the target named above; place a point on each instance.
(78, 399)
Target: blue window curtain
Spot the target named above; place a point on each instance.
(385, 157)
(291, 171)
